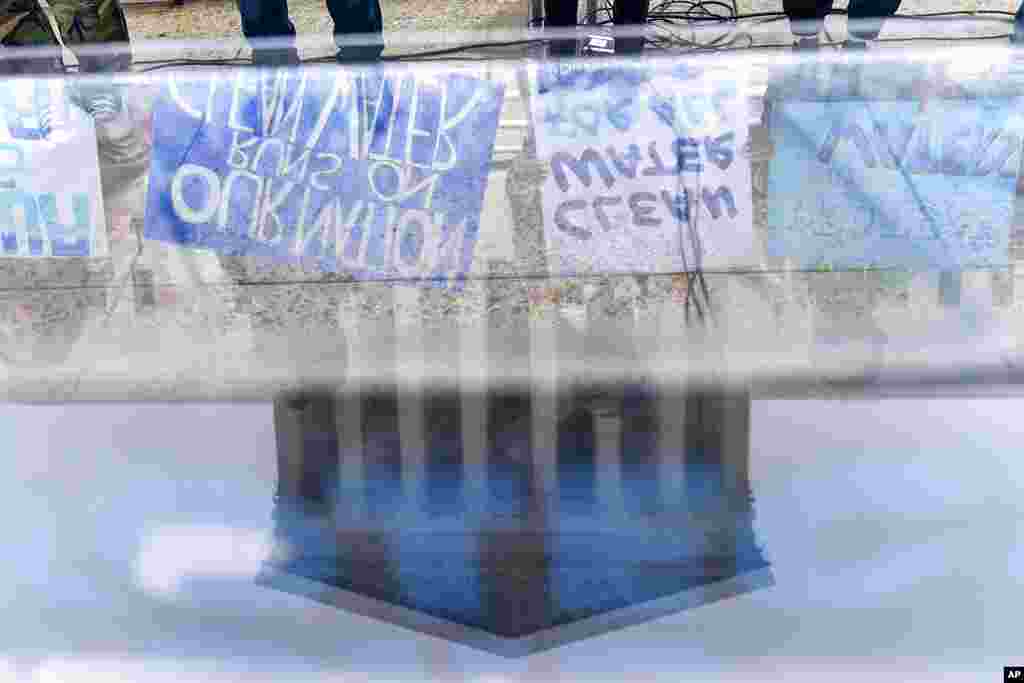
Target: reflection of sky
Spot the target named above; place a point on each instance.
(892, 527)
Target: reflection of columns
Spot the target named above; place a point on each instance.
(670, 405)
(288, 438)
(719, 443)
(473, 379)
(608, 437)
(544, 394)
(350, 509)
(307, 455)
(639, 448)
(443, 421)
(351, 494)
(379, 416)
(509, 452)
(735, 440)
(410, 369)
(443, 467)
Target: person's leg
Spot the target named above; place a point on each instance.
(867, 17)
(807, 17)
(97, 31)
(358, 29)
(1018, 25)
(266, 23)
(25, 29)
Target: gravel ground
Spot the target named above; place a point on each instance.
(212, 19)
(219, 18)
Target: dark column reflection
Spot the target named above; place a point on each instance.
(382, 452)
(639, 448)
(577, 455)
(509, 444)
(503, 567)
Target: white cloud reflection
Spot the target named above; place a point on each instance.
(172, 555)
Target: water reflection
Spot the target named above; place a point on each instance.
(647, 496)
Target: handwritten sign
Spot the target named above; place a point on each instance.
(858, 183)
(646, 167)
(50, 198)
(378, 173)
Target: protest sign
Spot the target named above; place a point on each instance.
(374, 172)
(896, 183)
(646, 167)
(50, 198)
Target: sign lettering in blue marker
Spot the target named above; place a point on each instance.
(378, 173)
(858, 183)
(647, 173)
(50, 199)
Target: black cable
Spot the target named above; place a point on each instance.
(156, 66)
(344, 279)
(695, 11)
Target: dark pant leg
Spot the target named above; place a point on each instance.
(361, 22)
(806, 16)
(34, 48)
(266, 23)
(867, 16)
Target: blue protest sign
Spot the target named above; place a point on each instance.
(50, 199)
(857, 183)
(375, 172)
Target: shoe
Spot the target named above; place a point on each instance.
(803, 44)
(359, 54)
(275, 57)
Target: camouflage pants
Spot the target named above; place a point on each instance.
(24, 24)
(95, 29)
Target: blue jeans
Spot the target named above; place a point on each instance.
(866, 16)
(361, 19)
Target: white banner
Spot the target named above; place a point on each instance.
(647, 167)
(51, 203)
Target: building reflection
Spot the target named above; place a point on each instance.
(648, 496)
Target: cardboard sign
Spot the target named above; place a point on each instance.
(51, 203)
(376, 172)
(859, 183)
(646, 165)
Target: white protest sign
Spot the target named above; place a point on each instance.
(50, 198)
(646, 167)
